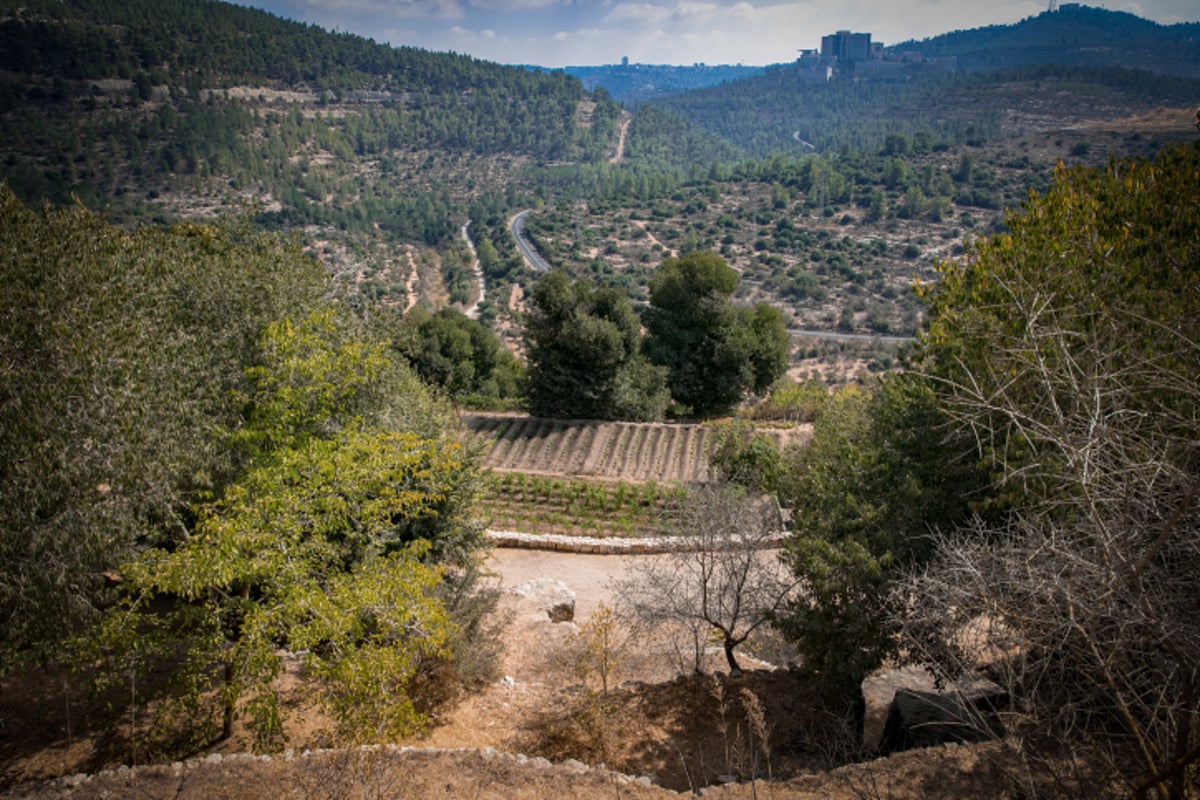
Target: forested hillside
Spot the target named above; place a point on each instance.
(782, 111)
(826, 198)
(638, 83)
(1075, 35)
(118, 103)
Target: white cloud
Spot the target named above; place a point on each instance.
(420, 9)
(695, 11)
(513, 5)
(640, 13)
(561, 32)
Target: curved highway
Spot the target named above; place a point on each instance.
(851, 337)
(535, 261)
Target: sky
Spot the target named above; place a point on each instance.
(558, 33)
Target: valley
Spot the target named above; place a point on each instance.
(289, 315)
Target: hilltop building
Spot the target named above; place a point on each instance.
(846, 47)
(848, 52)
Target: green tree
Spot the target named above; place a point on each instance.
(326, 543)
(458, 354)
(584, 353)
(714, 352)
(748, 458)
(878, 477)
(122, 358)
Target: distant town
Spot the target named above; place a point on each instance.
(851, 52)
(846, 51)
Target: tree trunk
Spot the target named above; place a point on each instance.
(734, 667)
(227, 721)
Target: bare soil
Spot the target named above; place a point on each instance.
(533, 733)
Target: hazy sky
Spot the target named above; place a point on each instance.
(556, 33)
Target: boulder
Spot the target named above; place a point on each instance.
(926, 719)
(550, 595)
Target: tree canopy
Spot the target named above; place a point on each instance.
(714, 351)
(208, 458)
(459, 355)
(584, 354)
(123, 354)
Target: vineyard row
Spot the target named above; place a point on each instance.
(635, 452)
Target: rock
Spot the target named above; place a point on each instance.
(549, 595)
(879, 688)
(925, 719)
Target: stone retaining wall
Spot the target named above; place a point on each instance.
(128, 776)
(611, 545)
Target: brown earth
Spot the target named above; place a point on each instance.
(534, 733)
(630, 451)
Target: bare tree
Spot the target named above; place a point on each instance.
(1086, 600)
(724, 578)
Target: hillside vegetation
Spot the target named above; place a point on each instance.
(1076, 35)
(237, 499)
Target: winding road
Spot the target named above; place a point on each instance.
(535, 261)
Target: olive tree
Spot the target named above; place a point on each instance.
(723, 576)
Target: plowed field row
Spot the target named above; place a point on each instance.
(629, 451)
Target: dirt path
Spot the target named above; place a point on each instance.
(589, 576)
(473, 311)
(622, 129)
(410, 288)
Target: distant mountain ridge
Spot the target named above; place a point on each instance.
(635, 83)
(1074, 35)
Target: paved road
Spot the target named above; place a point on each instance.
(850, 337)
(532, 258)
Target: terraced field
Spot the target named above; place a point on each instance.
(634, 452)
(586, 477)
(627, 451)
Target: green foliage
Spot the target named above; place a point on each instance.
(766, 343)
(878, 477)
(123, 356)
(368, 633)
(316, 546)
(161, 427)
(793, 401)
(757, 115)
(1067, 351)
(458, 354)
(840, 625)
(714, 351)
(1110, 256)
(742, 456)
(584, 354)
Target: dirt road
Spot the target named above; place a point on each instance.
(589, 576)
